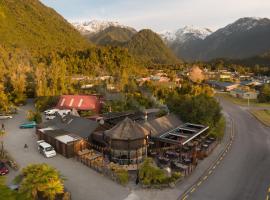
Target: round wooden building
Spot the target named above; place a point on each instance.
(127, 142)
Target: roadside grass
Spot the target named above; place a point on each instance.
(262, 115)
(242, 102)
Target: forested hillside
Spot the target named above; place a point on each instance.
(112, 36)
(148, 47)
(40, 52)
(31, 25)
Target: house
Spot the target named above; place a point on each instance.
(238, 93)
(223, 86)
(225, 75)
(80, 102)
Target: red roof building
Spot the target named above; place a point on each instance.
(80, 102)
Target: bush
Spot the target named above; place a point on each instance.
(150, 174)
(218, 130)
(34, 116)
(175, 176)
(122, 176)
(264, 95)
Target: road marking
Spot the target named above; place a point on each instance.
(198, 184)
(227, 148)
(185, 197)
(193, 189)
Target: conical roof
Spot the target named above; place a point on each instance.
(127, 130)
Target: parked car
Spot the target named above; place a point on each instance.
(14, 187)
(51, 111)
(3, 169)
(31, 124)
(46, 149)
(50, 116)
(4, 116)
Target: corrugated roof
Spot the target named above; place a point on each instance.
(162, 124)
(72, 124)
(79, 102)
(127, 130)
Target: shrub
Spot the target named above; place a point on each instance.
(122, 176)
(150, 174)
(218, 130)
(34, 116)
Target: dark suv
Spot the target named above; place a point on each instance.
(3, 169)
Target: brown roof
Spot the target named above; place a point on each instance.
(127, 130)
(163, 124)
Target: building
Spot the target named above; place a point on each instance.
(238, 93)
(127, 142)
(223, 86)
(169, 130)
(80, 102)
(67, 135)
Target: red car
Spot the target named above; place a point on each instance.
(3, 169)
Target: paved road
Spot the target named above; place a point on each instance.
(83, 182)
(244, 173)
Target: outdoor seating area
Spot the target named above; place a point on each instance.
(184, 158)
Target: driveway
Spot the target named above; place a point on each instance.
(82, 182)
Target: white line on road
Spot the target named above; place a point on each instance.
(198, 184)
(193, 189)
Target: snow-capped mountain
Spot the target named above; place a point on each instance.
(95, 26)
(244, 24)
(168, 36)
(191, 33)
(185, 34)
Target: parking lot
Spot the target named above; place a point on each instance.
(82, 182)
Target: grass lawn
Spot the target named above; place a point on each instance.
(242, 102)
(262, 115)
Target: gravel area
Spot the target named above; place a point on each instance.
(83, 182)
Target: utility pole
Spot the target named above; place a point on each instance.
(248, 100)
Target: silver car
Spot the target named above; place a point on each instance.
(3, 116)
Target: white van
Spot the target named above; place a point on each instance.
(51, 111)
(46, 149)
(63, 113)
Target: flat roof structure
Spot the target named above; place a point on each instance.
(66, 139)
(182, 134)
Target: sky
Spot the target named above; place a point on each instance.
(160, 15)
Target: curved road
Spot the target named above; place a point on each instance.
(244, 173)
